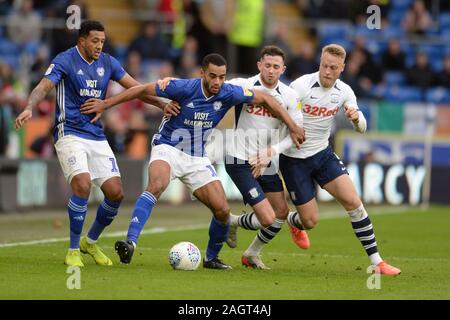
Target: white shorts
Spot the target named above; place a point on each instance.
(194, 172)
(77, 155)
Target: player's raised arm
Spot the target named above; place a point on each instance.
(37, 95)
(297, 133)
(134, 92)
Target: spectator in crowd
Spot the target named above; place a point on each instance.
(330, 9)
(24, 24)
(246, 34)
(115, 130)
(150, 43)
(368, 68)
(43, 146)
(280, 38)
(133, 66)
(351, 76)
(9, 99)
(215, 16)
(393, 58)
(420, 74)
(303, 61)
(443, 77)
(417, 18)
(188, 59)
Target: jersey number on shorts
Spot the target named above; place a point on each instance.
(213, 171)
(113, 163)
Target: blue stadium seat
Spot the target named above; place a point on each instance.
(403, 94)
(121, 53)
(438, 95)
(393, 31)
(444, 21)
(392, 78)
(8, 47)
(434, 52)
(348, 45)
(396, 17)
(445, 35)
(401, 4)
(31, 48)
(334, 30)
(12, 60)
(437, 64)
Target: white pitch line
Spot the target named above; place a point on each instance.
(326, 215)
(105, 235)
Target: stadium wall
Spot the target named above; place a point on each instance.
(28, 184)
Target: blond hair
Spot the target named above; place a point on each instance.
(335, 50)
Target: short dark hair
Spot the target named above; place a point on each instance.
(272, 51)
(89, 25)
(215, 59)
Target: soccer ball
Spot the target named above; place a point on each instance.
(184, 256)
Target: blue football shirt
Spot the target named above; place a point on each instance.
(76, 81)
(199, 114)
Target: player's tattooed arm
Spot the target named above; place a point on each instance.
(37, 95)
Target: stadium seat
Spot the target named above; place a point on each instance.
(396, 17)
(436, 64)
(434, 52)
(403, 94)
(392, 78)
(31, 48)
(438, 95)
(8, 47)
(12, 60)
(121, 53)
(348, 45)
(400, 4)
(444, 21)
(334, 30)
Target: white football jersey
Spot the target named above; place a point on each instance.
(319, 105)
(255, 127)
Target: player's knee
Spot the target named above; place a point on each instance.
(81, 188)
(156, 189)
(266, 220)
(117, 195)
(281, 213)
(310, 223)
(223, 213)
(352, 203)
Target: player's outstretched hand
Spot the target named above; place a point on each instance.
(298, 136)
(260, 161)
(162, 84)
(172, 108)
(96, 106)
(22, 118)
(351, 113)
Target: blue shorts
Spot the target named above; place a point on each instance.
(300, 174)
(252, 190)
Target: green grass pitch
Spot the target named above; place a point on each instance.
(335, 267)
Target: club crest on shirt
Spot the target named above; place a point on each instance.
(100, 71)
(335, 98)
(217, 105)
(72, 160)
